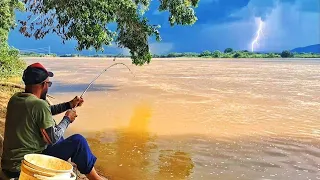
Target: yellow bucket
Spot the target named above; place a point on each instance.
(38, 166)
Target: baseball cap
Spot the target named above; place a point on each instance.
(35, 74)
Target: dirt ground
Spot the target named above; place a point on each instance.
(5, 94)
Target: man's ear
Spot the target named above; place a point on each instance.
(42, 84)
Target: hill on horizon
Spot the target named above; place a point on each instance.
(308, 49)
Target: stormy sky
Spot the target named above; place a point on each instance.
(221, 24)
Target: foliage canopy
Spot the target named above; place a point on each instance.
(228, 50)
(87, 22)
(286, 54)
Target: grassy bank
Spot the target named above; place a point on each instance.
(11, 68)
(5, 94)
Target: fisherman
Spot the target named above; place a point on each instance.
(30, 127)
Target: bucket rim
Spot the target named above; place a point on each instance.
(25, 167)
(44, 168)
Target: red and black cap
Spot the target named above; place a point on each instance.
(35, 74)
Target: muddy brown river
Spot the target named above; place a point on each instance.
(256, 119)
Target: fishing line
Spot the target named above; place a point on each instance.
(101, 74)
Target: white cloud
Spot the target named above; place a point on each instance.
(285, 27)
(155, 48)
(236, 35)
(125, 51)
(160, 48)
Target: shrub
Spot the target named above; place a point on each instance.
(10, 63)
(286, 54)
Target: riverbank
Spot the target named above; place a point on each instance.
(4, 96)
(5, 93)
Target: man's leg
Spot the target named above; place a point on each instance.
(75, 147)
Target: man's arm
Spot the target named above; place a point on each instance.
(50, 132)
(60, 108)
(53, 134)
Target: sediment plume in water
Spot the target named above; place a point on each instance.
(134, 152)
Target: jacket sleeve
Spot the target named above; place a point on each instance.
(59, 108)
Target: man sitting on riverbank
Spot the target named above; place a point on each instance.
(30, 128)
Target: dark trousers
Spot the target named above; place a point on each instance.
(75, 147)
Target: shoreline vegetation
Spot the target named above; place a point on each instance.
(228, 53)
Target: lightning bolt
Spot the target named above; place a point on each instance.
(259, 32)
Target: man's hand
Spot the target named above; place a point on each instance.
(71, 114)
(75, 102)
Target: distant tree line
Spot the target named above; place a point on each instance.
(230, 53)
(95, 55)
(227, 53)
(33, 54)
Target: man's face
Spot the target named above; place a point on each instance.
(45, 86)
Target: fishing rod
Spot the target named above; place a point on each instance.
(90, 84)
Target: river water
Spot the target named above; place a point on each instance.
(197, 119)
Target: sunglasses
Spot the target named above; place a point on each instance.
(49, 83)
